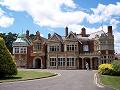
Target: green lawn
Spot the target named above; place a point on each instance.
(27, 75)
(113, 81)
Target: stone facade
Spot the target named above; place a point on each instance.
(70, 51)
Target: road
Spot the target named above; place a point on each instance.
(66, 80)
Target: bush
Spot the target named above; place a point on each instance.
(105, 69)
(116, 68)
(7, 65)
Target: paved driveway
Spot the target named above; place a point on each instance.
(67, 80)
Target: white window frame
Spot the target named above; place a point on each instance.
(53, 61)
(53, 48)
(70, 61)
(16, 50)
(71, 47)
(61, 61)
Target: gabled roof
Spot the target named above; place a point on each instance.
(92, 35)
(75, 36)
(57, 36)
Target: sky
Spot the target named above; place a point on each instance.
(49, 16)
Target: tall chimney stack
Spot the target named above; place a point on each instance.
(66, 31)
(27, 34)
(49, 35)
(110, 30)
(83, 32)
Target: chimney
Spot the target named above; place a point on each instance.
(83, 32)
(37, 34)
(27, 34)
(110, 30)
(66, 31)
(49, 35)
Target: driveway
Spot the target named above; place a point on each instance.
(66, 80)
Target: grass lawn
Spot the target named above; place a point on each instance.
(27, 75)
(113, 81)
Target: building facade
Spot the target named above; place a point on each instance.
(70, 51)
(30, 53)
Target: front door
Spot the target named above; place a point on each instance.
(37, 63)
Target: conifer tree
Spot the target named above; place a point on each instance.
(7, 65)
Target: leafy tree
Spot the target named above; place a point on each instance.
(9, 39)
(116, 67)
(7, 65)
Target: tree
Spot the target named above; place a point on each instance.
(7, 65)
(9, 39)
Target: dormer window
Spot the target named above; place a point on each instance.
(85, 48)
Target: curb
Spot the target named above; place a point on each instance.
(99, 84)
(97, 80)
(47, 77)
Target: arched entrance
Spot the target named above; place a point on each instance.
(88, 61)
(95, 62)
(37, 63)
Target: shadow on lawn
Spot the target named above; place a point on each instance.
(10, 78)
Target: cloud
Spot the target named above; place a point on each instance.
(104, 13)
(77, 28)
(117, 41)
(5, 21)
(49, 13)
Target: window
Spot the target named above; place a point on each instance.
(16, 50)
(21, 50)
(61, 61)
(25, 50)
(52, 61)
(85, 48)
(54, 48)
(104, 56)
(70, 61)
(37, 46)
(71, 47)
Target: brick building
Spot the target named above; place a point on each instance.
(70, 51)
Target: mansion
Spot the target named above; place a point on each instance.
(70, 51)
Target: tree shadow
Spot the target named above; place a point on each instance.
(9, 78)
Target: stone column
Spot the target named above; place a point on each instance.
(56, 61)
(82, 63)
(65, 61)
(48, 62)
(99, 61)
(91, 63)
(65, 47)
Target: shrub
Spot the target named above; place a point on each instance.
(7, 65)
(116, 68)
(105, 69)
